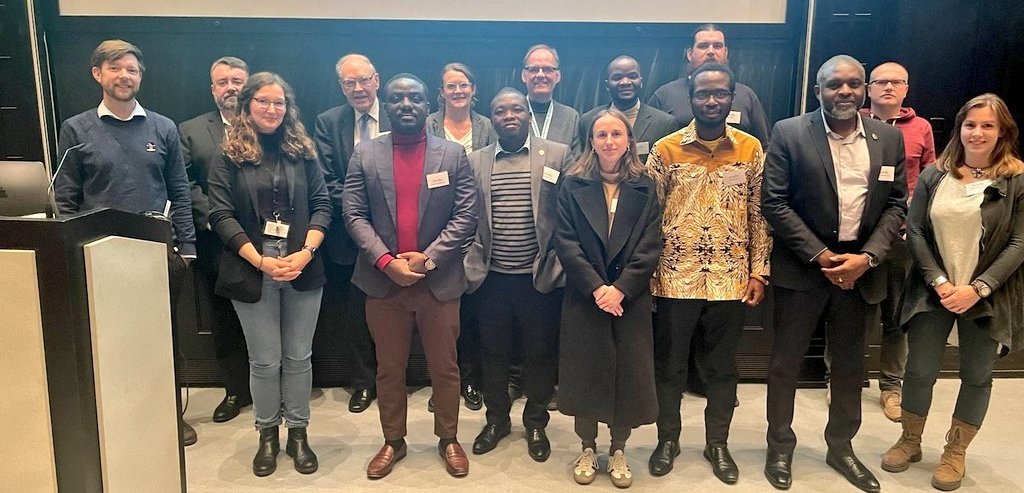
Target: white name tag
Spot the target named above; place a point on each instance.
(887, 173)
(277, 229)
(733, 118)
(643, 148)
(734, 177)
(614, 206)
(977, 187)
(551, 175)
(439, 179)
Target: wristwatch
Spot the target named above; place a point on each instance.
(310, 249)
(429, 264)
(937, 281)
(980, 287)
(872, 259)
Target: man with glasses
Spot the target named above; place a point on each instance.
(549, 119)
(887, 90)
(714, 261)
(337, 132)
(200, 144)
(624, 83)
(709, 46)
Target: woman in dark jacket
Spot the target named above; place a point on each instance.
(270, 207)
(609, 240)
(965, 232)
(455, 120)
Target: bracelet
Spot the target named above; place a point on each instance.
(310, 249)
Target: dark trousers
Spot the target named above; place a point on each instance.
(469, 342)
(343, 318)
(392, 320)
(796, 316)
(512, 312)
(928, 333)
(720, 324)
(228, 338)
(893, 355)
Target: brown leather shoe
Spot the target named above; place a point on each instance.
(455, 460)
(382, 463)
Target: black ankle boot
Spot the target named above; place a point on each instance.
(298, 449)
(265, 462)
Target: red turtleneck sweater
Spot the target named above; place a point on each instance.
(409, 152)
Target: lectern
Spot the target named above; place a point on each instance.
(89, 394)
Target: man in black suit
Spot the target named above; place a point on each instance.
(835, 195)
(337, 132)
(200, 143)
(624, 83)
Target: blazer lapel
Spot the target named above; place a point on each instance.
(627, 215)
(486, 170)
(289, 174)
(640, 127)
(216, 128)
(537, 151)
(385, 164)
(481, 128)
(816, 133)
(248, 175)
(591, 201)
(431, 164)
(875, 154)
(347, 130)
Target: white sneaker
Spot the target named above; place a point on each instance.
(618, 468)
(585, 467)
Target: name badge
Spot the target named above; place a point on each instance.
(439, 179)
(887, 173)
(614, 206)
(977, 187)
(733, 118)
(551, 175)
(734, 177)
(277, 229)
(643, 148)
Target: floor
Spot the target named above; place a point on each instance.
(344, 442)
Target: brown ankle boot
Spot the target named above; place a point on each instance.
(908, 448)
(951, 468)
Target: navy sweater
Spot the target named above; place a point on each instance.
(134, 166)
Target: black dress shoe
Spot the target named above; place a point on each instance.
(663, 457)
(538, 445)
(430, 404)
(265, 461)
(490, 436)
(298, 449)
(722, 464)
(229, 408)
(778, 469)
(188, 434)
(474, 401)
(849, 466)
(361, 399)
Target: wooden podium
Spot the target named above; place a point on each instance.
(90, 400)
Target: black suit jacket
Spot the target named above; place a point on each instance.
(334, 136)
(800, 202)
(200, 144)
(651, 125)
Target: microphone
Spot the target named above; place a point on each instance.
(49, 189)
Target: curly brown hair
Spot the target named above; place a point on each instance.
(241, 141)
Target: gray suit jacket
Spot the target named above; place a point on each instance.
(200, 145)
(447, 214)
(651, 125)
(547, 271)
(565, 122)
(483, 131)
(800, 202)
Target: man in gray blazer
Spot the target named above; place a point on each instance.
(835, 196)
(337, 131)
(624, 83)
(410, 206)
(200, 145)
(549, 119)
(512, 267)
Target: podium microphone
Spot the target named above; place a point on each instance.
(49, 189)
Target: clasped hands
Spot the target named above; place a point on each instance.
(609, 299)
(843, 270)
(957, 299)
(407, 268)
(286, 268)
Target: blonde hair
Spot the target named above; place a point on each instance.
(1005, 158)
(629, 166)
(241, 141)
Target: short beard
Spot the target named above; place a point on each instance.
(229, 105)
(842, 114)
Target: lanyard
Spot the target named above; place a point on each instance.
(547, 119)
(275, 180)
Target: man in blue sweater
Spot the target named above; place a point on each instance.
(121, 156)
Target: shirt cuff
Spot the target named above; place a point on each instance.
(815, 257)
(383, 261)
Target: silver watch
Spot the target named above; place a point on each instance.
(938, 280)
(429, 264)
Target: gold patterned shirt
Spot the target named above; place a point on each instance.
(714, 236)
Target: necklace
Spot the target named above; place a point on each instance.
(977, 173)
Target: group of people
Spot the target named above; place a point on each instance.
(599, 253)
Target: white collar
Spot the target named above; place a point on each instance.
(499, 150)
(374, 111)
(102, 111)
(828, 131)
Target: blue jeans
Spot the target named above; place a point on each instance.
(279, 333)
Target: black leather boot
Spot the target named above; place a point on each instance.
(265, 462)
(298, 449)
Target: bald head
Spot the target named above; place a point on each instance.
(887, 89)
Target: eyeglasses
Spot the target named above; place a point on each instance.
(462, 86)
(896, 83)
(362, 81)
(265, 104)
(719, 95)
(537, 69)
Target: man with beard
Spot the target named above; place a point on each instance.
(549, 119)
(715, 260)
(122, 156)
(513, 269)
(409, 205)
(200, 144)
(709, 46)
(835, 196)
(624, 83)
